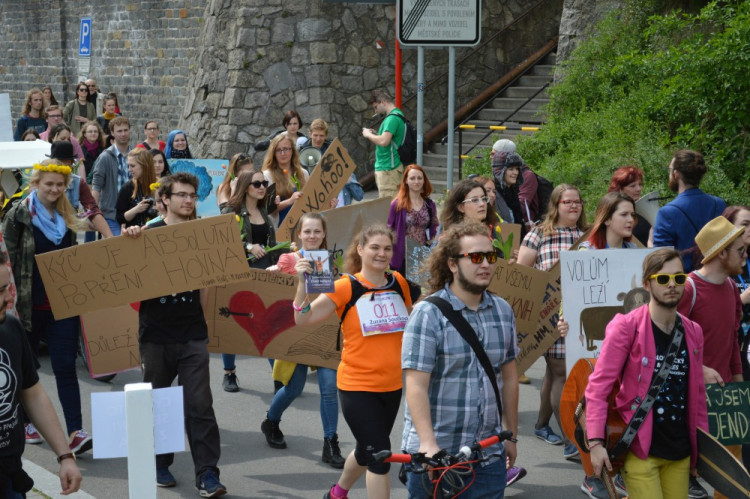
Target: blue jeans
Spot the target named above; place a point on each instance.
(288, 393)
(114, 226)
(7, 490)
(62, 340)
(329, 402)
(489, 482)
(228, 359)
(90, 236)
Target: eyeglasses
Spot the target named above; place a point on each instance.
(664, 279)
(185, 195)
(741, 250)
(151, 129)
(259, 183)
(54, 116)
(572, 202)
(482, 200)
(83, 89)
(284, 150)
(479, 256)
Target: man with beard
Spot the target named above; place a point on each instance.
(450, 400)
(680, 220)
(636, 345)
(712, 300)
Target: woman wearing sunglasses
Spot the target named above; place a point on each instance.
(239, 163)
(79, 110)
(251, 203)
(561, 228)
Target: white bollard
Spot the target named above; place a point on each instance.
(139, 416)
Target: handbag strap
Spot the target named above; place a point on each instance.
(657, 382)
(470, 336)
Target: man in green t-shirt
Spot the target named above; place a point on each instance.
(388, 166)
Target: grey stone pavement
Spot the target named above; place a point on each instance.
(249, 468)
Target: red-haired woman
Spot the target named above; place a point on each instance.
(413, 214)
(629, 180)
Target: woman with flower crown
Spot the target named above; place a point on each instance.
(135, 201)
(45, 221)
(281, 168)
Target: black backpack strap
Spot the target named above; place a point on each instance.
(470, 336)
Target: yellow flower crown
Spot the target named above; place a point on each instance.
(65, 170)
(154, 186)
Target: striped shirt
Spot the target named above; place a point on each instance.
(462, 400)
(548, 248)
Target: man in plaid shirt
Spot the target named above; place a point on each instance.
(450, 401)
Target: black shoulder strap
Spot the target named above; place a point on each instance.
(470, 336)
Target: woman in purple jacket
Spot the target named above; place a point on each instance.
(413, 214)
(659, 459)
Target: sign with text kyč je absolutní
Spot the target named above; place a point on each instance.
(162, 261)
(729, 412)
(325, 183)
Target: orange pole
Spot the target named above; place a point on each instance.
(398, 74)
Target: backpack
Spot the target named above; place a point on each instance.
(359, 290)
(407, 151)
(543, 193)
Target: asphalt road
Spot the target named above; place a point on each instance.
(249, 468)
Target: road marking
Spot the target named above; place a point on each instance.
(48, 483)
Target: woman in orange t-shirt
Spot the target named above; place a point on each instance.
(369, 375)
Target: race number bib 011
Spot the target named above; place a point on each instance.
(382, 313)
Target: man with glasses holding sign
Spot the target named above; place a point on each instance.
(445, 377)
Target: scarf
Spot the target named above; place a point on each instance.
(52, 226)
(185, 153)
(108, 116)
(91, 147)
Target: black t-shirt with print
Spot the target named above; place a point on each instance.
(176, 318)
(17, 372)
(670, 438)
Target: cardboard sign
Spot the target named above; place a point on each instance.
(597, 285)
(210, 173)
(416, 254)
(162, 261)
(346, 222)
(729, 412)
(111, 339)
(325, 183)
(256, 318)
(535, 298)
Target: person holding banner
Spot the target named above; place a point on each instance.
(135, 202)
(412, 214)
(369, 375)
(282, 168)
(311, 236)
(45, 221)
(655, 355)
(563, 226)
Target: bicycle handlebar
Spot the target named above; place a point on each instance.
(442, 457)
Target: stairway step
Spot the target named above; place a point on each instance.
(534, 81)
(550, 59)
(515, 102)
(524, 115)
(542, 70)
(524, 91)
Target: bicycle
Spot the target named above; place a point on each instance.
(452, 474)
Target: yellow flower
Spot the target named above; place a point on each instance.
(62, 169)
(154, 186)
(237, 217)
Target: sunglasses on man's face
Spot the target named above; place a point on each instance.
(479, 256)
(664, 279)
(259, 183)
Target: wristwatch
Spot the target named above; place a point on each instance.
(69, 455)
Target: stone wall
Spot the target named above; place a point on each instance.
(226, 70)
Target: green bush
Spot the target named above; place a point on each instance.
(644, 85)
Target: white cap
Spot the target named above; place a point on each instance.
(504, 145)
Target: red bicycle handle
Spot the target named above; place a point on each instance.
(489, 441)
(398, 458)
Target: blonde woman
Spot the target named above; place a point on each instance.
(281, 168)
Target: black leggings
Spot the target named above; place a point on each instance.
(370, 416)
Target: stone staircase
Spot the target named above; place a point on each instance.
(502, 108)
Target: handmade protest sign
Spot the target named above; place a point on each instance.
(325, 183)
(534, 296)
(210, 173)
(346, 222)
(111, 339)
(729, 412)
(597, 285)
(416, 254)
(256, 318)
(162, 261)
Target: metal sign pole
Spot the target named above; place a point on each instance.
(420, 104)
(451, 114)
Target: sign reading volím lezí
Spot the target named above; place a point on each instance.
(162, 261)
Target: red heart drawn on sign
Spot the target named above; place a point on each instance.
(261, 323)
(136, 306)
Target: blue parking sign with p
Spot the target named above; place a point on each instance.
(84, 42)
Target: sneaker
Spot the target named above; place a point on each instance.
(32, 436)
(164, 478)
(524, 380)
(208, 484)
(594, 488)
(696, 490)
(81, 442)
(514, 474)
(620, 485)
(570, 451)
(273, 434)
(230, 383)
(545, 433)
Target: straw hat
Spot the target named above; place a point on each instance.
(715, 236)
